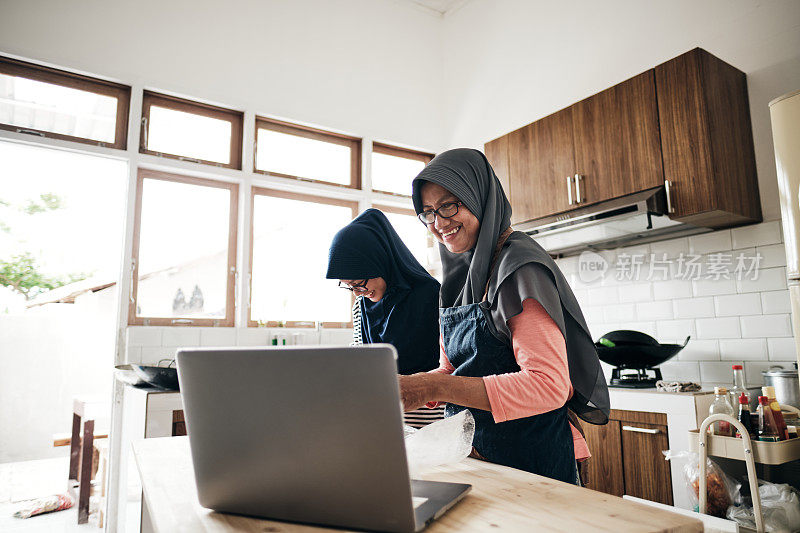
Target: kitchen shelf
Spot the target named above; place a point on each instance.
(769, 453)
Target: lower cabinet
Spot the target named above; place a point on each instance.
(627, 458)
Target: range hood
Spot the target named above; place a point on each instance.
(633, 219)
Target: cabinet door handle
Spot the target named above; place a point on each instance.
(578, 178)
(641, 430)
(569, 189)
(667, 188)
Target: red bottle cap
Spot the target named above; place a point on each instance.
(743, 398)
(737, 367)
(763, 400)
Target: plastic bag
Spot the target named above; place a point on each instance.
(780, 507)
(446, 441)
(56, 502)
(722, 491)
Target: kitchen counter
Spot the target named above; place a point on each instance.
(501, 499)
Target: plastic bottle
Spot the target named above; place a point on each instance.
(744, 415)
(738, 385)
(769, 392)
(767, 429)
(721, 406)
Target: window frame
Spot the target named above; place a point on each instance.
(233, 216)
(396, 151)
(236, 118)
(354, 143)
(288, 195)
(31, 71)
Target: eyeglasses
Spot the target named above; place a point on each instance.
(358, 287)
(445, 211)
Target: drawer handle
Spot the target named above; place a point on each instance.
(668, 190)
(569, 189)
(641, 430)
(578, 188)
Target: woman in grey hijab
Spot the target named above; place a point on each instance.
(493, 278)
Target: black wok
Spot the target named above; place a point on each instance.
(633, 349)
(165, 377)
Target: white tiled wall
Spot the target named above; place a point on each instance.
(730, 321)
(149, 344)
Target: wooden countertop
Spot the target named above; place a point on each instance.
(502, 499)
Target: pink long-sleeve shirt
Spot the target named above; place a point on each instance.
(542, 384)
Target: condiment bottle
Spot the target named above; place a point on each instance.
(721, 406)
(769, 392)
(744, 415)
(738, 385)
(767, 430)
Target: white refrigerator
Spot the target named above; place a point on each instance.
(785, 115)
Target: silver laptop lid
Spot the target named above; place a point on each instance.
(303, 434)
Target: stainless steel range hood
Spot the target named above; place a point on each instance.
(633, 219)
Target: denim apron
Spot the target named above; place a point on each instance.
(541, 444)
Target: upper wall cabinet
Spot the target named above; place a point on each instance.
(685, 123)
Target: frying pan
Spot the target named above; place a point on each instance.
(633, 349)
(164, 377)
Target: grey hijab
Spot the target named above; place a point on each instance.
(523, 270)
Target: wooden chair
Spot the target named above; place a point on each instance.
(86, 410)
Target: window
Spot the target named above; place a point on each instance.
(291, 234)
(184, 251)
(394, 168)
(53, 103)
(413, 233)
(191, 131)
(299, 152)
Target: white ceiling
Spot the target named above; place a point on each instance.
(442, 7)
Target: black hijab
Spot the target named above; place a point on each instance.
(468, 175)
(407, 316)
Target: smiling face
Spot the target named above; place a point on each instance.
(458, 233)
(373, 290)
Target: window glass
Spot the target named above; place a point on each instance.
(36, 105)
(291, 238)
(183, 250)
(303, 157)
(391, 173)
(413, 233)
(190, 135)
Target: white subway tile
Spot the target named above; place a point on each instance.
(217, 336)
(773, 302)
(606, 370)
(639, 250)
(752, 371)
(737, 304)
(618, 313)
(757, 235)
(144, 336)
(181, 336)
(773, 255)
(654, 310)
(782, 349)
(668, 290)
(694, 307)
(644, 327)
(133, 354)
(593, 314)
(680, 371)
(151, 355)
(568, 265)
(712, 372)
(766, 326)
(252, 337)
(743, 349)
(769, 279)
(675, 329)
(716, 241)
(603, 296)
(637, 292)
(672, 248)
(713, 287)
(699, 350)
(718, 328)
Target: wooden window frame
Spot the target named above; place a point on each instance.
(354, 143)
(407, 153)
(236, 119)
(230, 299)
(122, 93)
(303, 197)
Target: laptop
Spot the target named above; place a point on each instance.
(305, 434)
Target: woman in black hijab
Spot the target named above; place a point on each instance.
(489, 273)
(397, 299)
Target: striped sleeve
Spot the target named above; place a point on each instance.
(357, 323)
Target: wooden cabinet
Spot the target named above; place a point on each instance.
(627, 458)
(687, 121)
